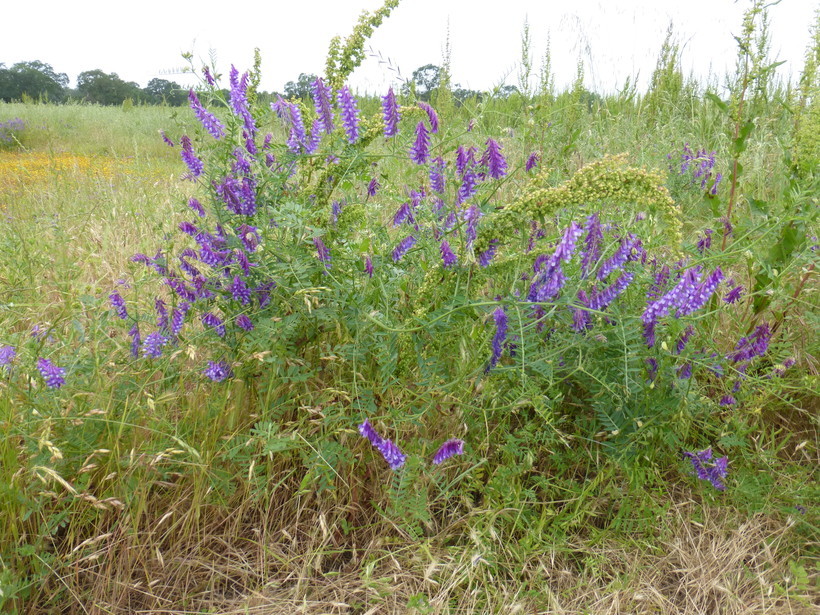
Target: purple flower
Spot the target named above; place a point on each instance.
(465, 158)
(592, 245)
(566, 247)
(162, 315)
(178, 317)
(452, 447)
(322, 252)
(7, 355)
(685, 371)
(705, 242)
(239, 291)
(335, 210)
(651, 368)
(432, 115)
(754, 345)
(390, 112)
(487, 255)
(581, 320)
(728, 229)
(368, 266)
(674, 298)
(349, 113)
(704, 470)
(437, 175)
(165, 138)
(208, 77)
(197, 207)
(702, 294)
(218, 371)
(391, 453)
(208, 120)
(734, 295)
(404, 245)
(195, 165)
(322, 102)
(680, 345)
(243, 322)
(600, 301)
(500, 317)
(728, 400)
(152, 346)
(533, 161)
(447, 255)
(404, 214)
(467, 188)
(496, 165)
(53, 375)
(134, 334)
(292, 116)
(628, 250)
(118, 303)
(420, 150)
(239, 99)
(373, 187)
(214, 322)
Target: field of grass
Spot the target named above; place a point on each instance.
(142, 486)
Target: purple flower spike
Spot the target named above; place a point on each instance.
(218, 371)
(136, 341)
(533, 161)
(452, 447)
(496, 164)
(432, 115)
(214, 322)
(702, 293)
(500, 317)
(368, 266)
(322, 102)
(349, 113)
(208, 120)
(52, 374)
(152, 346)
(240, 291)
(118, 303)
(373, 187)
(704, 470)
(390, 112)
(322, 251)
(195, 165)
(366, 429)
(197, 207)
(391, 453)
(420, 151)
(447, 255)
(165, 138)
(7, 355)
(401, 249)
(486, 257)
(734, 295)
(437, 175)
(754, 345)
(592, 245)
(243, 322)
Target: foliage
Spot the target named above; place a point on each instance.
(33, 79)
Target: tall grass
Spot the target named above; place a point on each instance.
(141, 486)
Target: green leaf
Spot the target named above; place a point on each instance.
(759, 207)
(717, 101)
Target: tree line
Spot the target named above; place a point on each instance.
(37, 80)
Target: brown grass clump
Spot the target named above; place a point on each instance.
(290, 555)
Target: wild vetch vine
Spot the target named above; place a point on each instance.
(316, 226)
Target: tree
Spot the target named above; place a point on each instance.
(95, 86)
(35, 79)
(426, 79)
(159, 91)
(302, 88)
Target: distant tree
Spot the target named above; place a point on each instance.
(106, 89)
(35, 79)
(159, 91)
(426, 79)
(461, 95)
(301, 88)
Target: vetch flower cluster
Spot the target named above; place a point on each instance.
(395, 458)
(714, 472)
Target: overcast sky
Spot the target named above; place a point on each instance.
(615, 38)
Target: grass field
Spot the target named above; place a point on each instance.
(141, 486)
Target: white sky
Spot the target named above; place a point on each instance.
(616, 38)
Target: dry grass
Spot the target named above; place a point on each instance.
(288, 555)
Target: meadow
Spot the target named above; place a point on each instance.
(547, 352)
